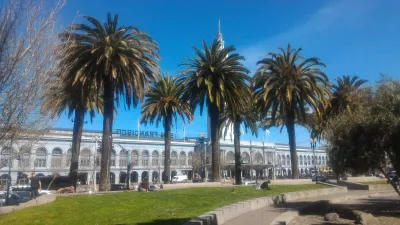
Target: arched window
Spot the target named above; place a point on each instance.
(135, 158)
(258, 159)
(182, 159)
(245, 157)
(155, 158)
(283, 160)
(270, 157)
(319, 160)
(230, 158)
(145, 158)
(279, 159)
(190, 159)
(309, 160)
(5, 155)
(288, 160)
(323, 160)
(301, 160)
(123, 158)
(113, 158)
(68, 158)
(41, 157)
(56, 157)
(174, 158)
(85, 158)
(25, 157)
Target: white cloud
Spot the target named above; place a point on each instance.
(338, 14)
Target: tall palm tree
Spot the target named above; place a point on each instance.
(164, 103)
(232, 116)
(345, 95)
(215, 77)
(61, 97)
(286, 85)
(118, 60)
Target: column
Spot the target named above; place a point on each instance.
(117, 177)
(117, 161)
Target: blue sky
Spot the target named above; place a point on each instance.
(350, 36)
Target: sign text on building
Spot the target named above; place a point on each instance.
(136, 133)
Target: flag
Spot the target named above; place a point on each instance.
(267, 132)
(241, 126)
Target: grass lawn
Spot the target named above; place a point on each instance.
(144, 208)
(383, 181)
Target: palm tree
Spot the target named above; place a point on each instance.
(232, 116)
(215, 77)
(61, 97)
(286, 85)
(344, 98)
(120, 61)
(164, 103)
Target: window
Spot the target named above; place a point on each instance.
(56, 158)
(279, 159)
(145, 158)
(155, 158)
(309, 160)
(5, 156)
(113, 158)
(123, 158)
(283, 160)
(245, 157)
(98, 158)
(190, 158)
(182, 159)
(25, 157)
(288, 160)
(323, 160)
(174, 158)
(230, 158)
(301, 160)
(319, 160)
(41, 155)
(68, 159)
(135, 158)
(85, 158)
(258, 159)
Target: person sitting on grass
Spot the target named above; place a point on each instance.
(265, 186)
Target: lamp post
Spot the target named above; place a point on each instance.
(313, 143)
(96, 139)
(9, 176)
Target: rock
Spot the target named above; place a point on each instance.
(365, 218)
(331, 217)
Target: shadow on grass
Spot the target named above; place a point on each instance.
(166, 222)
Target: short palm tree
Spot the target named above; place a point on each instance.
(232, 116)
(164, 103)
(118, 60)
(286, 85)
(215, 77)
(61, 97)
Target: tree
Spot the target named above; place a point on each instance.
(286, 85)
(215, 77)
(164, 103)
(27, 46)
(63, 95)
(232, 116)
(120, 61)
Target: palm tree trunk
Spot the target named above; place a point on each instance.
(236, 133)
(215, 151)
(167, 158)
(106, 144)
(76, 145)
(292, 145)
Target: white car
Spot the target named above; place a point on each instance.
(179, 179)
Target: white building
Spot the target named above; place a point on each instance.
(52, 154)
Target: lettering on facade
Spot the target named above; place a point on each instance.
(136, 133)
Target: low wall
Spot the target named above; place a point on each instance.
(221, 215)
(292, 182)
(362, 179)
(194, 185)
(369, 187)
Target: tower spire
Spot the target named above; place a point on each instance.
(219, 26)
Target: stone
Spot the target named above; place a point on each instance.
(364, 218)
(331, 217)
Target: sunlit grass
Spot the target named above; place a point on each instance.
(162, 207)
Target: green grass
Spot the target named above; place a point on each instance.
(383, 181)
(144, 208)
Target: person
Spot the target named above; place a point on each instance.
(36, 186)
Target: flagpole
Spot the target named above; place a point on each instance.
(138, 127)
(184, 133)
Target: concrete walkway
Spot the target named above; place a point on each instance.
(279, 213)
(44, 199)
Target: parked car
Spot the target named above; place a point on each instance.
(319, 178)
(179, 179)
(118, 187)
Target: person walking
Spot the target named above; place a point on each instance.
(36, 186)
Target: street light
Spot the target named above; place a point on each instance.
(313, 143)
(96, 139)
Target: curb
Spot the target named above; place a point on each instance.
(221, 215)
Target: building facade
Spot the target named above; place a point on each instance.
(52, 155)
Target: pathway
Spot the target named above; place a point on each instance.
(268, 215)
